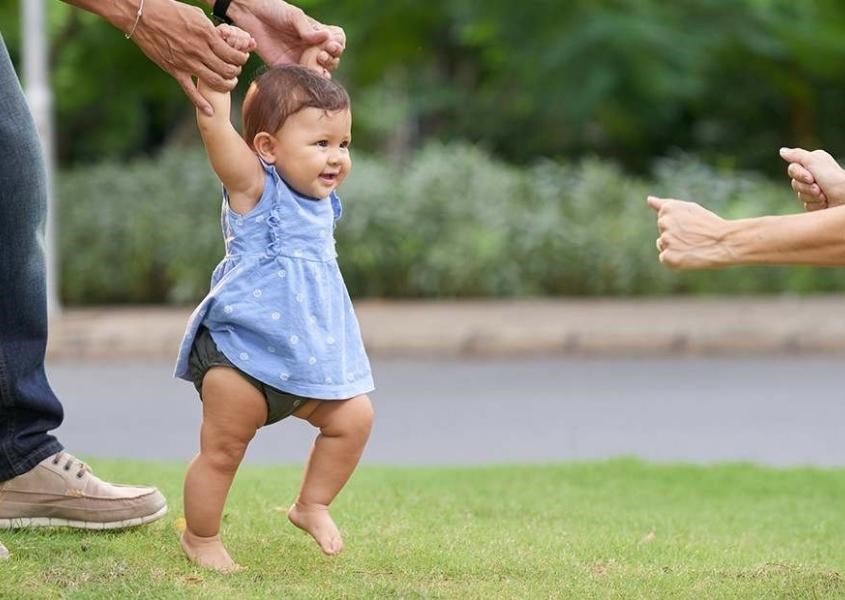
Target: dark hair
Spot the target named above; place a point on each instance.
(281, 91)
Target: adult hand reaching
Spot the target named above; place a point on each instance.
(817, 178)
(283, 32)
(690, 235)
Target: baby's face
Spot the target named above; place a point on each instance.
(312, 154)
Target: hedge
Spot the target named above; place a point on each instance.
(449, 222)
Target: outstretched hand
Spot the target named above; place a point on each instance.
(284, 32)
(817, 178)
(690, 235)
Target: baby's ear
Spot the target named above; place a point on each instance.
(264, 145)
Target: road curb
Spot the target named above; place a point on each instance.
(507, 328)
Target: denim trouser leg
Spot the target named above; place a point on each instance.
(28, 407)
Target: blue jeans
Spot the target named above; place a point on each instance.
(28, 407)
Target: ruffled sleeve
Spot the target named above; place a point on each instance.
(337, 208)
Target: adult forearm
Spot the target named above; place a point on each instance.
(120, 13)
(816, 238)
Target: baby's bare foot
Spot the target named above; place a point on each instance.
(207, 552)
(316, 520)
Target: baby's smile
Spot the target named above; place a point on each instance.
(329, 178)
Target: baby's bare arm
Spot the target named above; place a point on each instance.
(231, 158)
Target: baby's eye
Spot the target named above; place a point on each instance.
(344, 144)
(323, 143)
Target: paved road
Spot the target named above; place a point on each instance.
(778, 411)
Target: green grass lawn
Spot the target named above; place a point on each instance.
(618, 529)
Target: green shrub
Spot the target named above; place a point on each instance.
(450, 222)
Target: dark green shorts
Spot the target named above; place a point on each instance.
(205, 355)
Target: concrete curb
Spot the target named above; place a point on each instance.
(507, 328)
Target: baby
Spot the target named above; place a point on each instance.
(277, 335)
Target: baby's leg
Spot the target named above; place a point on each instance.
(232, 411)
(344, 428)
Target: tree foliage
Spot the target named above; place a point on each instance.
(623, 79)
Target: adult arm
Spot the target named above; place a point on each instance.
(177, 37)
(283, 32)
(692, 237)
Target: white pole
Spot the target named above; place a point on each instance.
(39, 96)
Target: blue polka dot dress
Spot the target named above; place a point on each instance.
(278, 307)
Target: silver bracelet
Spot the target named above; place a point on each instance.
(137, 20)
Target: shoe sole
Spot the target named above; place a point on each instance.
(27, 522)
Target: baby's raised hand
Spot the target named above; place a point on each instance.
(309, 59)
(237, 38)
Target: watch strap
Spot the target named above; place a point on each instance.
(218, 12)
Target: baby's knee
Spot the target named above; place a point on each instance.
(225, 455)
(359, 418)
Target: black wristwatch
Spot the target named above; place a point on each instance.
(218, 13)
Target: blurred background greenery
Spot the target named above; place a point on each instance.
(501, 149)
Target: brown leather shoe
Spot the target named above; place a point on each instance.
(61, 491)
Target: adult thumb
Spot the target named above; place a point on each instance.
(794, 155)
(656, 203)
(312, 33)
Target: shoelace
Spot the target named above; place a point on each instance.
(83, 468)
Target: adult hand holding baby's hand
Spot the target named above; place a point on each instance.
(284, 32)
(182, 41)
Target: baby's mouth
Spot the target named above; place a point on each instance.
(329, 178)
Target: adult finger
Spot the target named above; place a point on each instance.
(799, 173)
(213, 80)
(794, 155)
(328, 61)
(333, 48)
(190, 89)
(656, 203)
(224, 58)
(337, 41)
(311, 31)
(811, 190)
(812, 202)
